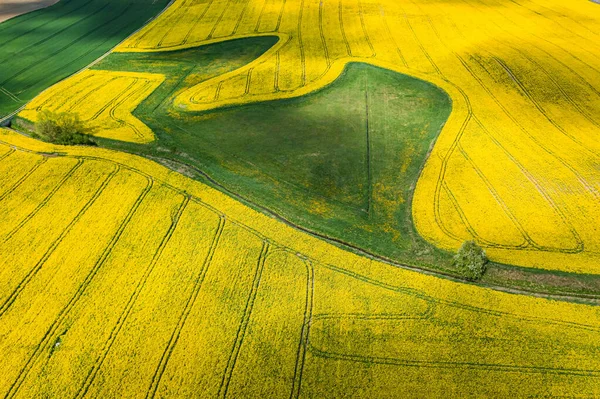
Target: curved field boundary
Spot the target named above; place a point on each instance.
(185, 186)
(307, 58)
(110, 118)
(190, 104)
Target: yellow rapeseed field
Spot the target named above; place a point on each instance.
(104, 100)
(121, 278)
(515, 167)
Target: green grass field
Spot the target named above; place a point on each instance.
(338, 167)
(40, 48)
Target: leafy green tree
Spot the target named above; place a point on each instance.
(470, 261)
(63, 128)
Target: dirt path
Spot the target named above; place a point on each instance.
(12, 8)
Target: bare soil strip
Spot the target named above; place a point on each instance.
(14, 8)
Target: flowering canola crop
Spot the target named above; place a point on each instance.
(515, 166)
(102, 99)
(122, 278)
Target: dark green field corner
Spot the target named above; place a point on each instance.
(45, 46)
(340, 163)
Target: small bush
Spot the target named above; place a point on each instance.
(63, 128)
(470, 261)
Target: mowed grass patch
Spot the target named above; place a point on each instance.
(341, 162)
(41, 48)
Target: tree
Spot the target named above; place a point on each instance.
(63, 128)
(470, 261)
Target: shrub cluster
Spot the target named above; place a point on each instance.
(63, 128)
(470, 261)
